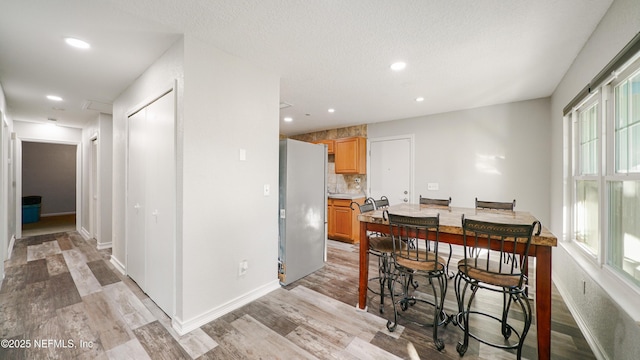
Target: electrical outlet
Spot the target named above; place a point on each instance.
(243, 267)
(433, 186)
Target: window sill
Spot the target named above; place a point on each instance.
(624, 294)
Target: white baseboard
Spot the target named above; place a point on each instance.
(12, 242)
(102, 246)
(84, 233)
(118, 265)
(184, 327)
(586, 331)
(58, 214)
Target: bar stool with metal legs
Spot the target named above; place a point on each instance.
(483, 268)
(410, 262)
(440, 202)
(381, 246)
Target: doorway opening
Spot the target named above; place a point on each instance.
(48, 188)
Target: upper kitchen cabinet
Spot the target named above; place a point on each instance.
(351, 155)
(330, 145)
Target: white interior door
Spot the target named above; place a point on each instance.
(4, 192)
(390, 169)
(161, 202)
(136, 177)
(93, 209)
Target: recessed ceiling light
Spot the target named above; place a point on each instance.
(54, 98)
(332, 110)
(77, 43)
(397, 66)
(420, 99)
(288, 119)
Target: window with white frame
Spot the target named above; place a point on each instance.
(623, 247)
(586, 181)
(605, 183)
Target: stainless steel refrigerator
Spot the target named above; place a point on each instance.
(303, 209)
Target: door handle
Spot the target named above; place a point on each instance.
(406, 200)
(155, 214)
(137, 207)
(406, 192)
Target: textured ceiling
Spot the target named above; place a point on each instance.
(330, 54)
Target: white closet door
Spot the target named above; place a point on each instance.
(161, 202)
(136, 175)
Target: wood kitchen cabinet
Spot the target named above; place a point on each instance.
(351, 155)
(330, 145)
(343, 222)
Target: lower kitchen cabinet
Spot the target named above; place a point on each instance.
(343, 222)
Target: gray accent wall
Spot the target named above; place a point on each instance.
(498, 153)
(49, 170)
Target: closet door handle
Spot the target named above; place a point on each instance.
(155, 214)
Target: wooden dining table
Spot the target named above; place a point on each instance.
(451, 232)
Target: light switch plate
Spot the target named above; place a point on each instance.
(243, 155)
(267, 189)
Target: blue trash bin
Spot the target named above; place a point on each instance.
(31, 209)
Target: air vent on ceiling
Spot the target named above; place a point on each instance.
(97, 106)
(284, 105)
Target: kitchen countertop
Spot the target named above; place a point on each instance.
(345, 196)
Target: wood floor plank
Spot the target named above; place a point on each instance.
(39, 303)
(64, 242)
(56, 264)
(102, 272)
(131, 350)
(83, 277)
(15, 279)
(133, 311)
(18, 257)
(361, 324)
(106, 321)
(262, 313)
(158, 343)
(324, 328)
(364, 350)
(41, 251)
(316, 343)
(37, 271)
(197, 343)
(13, 314)
(64, 291)
(256, 341)
(75, 326)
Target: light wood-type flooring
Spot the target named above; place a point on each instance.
(62, 299)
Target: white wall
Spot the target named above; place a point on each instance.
(29, 131)
(160, 75)
(229, 105)
(102, 127)
(224, 104)
(7, 190)
(496, 153)
(609, 327)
